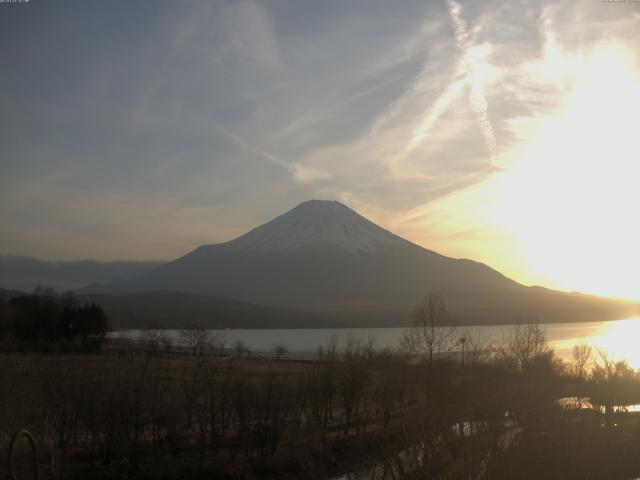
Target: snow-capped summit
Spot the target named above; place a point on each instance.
(316, 224)
(321, 254)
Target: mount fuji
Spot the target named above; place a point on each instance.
(322, 256)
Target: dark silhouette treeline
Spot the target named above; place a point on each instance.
(45, 320)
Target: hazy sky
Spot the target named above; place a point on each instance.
(507, 132)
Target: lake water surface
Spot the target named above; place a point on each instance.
(619, 338)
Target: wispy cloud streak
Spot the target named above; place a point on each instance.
(470, 73)
(299, 172)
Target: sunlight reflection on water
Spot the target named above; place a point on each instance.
(620, 339)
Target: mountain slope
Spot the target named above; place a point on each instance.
(25, 273)
(163, 309)
(6, 295)
(322, 255)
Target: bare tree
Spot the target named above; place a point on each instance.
(323, 382)
(217, 342)
(525, 343)
(151, 340)
(196, 338)
(194, 380)
(476, 350)
(582, 360)
(240, 348)
(353, 379)
(167, 343)
(462, 341)
(61, 396)
(280, 350)
(432, 330)
(614, 382)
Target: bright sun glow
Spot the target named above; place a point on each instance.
(618, 340)
(562, 212)
(568, 196)
(571, 198)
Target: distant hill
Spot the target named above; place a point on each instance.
(163, 309)
(325, 258)
(9, 294)
(25, 273)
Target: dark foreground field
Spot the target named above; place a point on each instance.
(351, 413)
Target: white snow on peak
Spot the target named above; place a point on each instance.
(317, 223)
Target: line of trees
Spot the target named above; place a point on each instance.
(45, 320)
